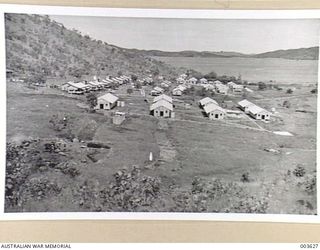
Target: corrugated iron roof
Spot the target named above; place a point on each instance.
(207, 100)
(254, 109)
(212, 107)
(162, 97)
(162, 103)
(245, 103)
(109, 98)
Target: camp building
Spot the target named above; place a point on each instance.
(161, 108)
(253, 110)
(162, 97)
(207, 100)
(107, 101)
(214, 112)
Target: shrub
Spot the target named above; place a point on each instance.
(245, 177)
(92, 101)
(211, 75)
(262, 86)
(299, 171)
(134, 78)
(286, 104)
(129, 90)
(314, 91)
(289, 91)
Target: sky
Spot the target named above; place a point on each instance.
(245, 36)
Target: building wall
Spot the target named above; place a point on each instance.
(220, 115)
(158, 112)
(177, 92)
(261, 116)
(117, 119)
(106, 105)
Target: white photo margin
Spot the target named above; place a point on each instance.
(145, 13)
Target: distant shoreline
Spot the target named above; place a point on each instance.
(269, 70)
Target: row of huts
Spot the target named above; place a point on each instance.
(214, 86)
(82, 87)
(215, 112)
(162, 106)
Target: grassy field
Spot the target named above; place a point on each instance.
(185, 147)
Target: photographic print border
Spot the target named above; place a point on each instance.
(148, 13)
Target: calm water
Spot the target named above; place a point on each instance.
(253, 69)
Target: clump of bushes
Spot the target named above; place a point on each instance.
(262, 86)
(289, 91)
(245, 177)
(286, 104)
(299, 171)
(92, 101)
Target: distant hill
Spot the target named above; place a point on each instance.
(294, 54)
(37, 45)
(189, 53)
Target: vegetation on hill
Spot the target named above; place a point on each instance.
(293, 54)
(39, 47)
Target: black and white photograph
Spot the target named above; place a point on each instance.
(160, 115)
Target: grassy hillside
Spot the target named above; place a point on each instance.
(37, 45)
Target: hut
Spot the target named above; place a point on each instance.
(177, 92)
(157, 91)
(259, 113)
(253, 110)
(77, 88)
(107, 101)
(214, 112)
(162, 97)
(207, 100)
(161, 108)
(118, 118)
(244, 105)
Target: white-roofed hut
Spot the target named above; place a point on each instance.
(107, 101)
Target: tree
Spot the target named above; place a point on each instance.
(314, 91)
(211, 75)
(193, 73)
(92, 101)
(134, 77)
(286, 104)
(138, 85)
(262, 86)
(38, 78)
(245, 177)
(289, 91)
(299, 171)
(201, 92)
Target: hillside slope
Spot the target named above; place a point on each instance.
(294, 54)
(37, 45)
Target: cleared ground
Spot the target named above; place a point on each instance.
(184, 147)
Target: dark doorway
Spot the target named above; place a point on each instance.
(216, 116)
(263, 117)
(101, 106)
(161, 113)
